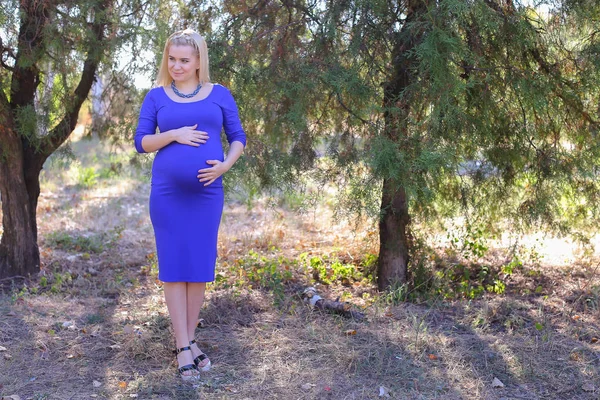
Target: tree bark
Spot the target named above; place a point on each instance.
(393, 236)
(19, 253)
(394, 243)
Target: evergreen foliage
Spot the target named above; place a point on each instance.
(502, 113)
(498, 123)
(485, 108)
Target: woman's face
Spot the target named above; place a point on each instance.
(183, 63)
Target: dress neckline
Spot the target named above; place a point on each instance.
(212, 89)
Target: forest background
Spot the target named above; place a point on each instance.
(433, 163)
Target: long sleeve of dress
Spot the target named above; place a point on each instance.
(147, 122)
(231, 119)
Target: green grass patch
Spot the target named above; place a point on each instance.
(84, 243)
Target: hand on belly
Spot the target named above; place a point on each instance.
(209, 175)
(178, 166)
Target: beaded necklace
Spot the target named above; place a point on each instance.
(185, 96)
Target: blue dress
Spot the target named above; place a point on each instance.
(185, 214)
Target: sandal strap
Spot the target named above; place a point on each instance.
(201, 357)
(187, 367)
(181, 349)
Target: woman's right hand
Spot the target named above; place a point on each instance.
(189, 135)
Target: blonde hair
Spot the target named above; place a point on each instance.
(186, 37)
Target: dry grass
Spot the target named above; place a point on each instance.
(96, 313)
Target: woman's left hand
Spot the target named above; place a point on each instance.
(209, 175)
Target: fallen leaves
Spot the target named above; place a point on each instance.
(577, 354)
(383, 392)
(95, 332)
(588, 387)
(497, 383)
(130, 330)
(96, 384)
(350, 332)
(228, 388)
(433, 357)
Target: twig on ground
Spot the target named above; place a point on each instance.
(343, 308)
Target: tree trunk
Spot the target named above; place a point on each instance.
(393, 236)
(394, 241)
(19, 253)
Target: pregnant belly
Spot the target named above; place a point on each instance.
(177, 165)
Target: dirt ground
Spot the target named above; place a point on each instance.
(93, 323)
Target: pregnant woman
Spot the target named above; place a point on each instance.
(186, 199)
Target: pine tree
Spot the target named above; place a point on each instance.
(482, 107)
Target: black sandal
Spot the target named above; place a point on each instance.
(201, 358)
(187, 367)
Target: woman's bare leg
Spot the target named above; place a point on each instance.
(176, 298)
(195, 299)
